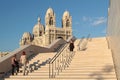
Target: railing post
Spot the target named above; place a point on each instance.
(59, 62)
(49, 70)
(52, 70)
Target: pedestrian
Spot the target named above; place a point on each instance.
(15, 64)
(23, 61)
(71, 46)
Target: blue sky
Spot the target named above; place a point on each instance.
(19, 16)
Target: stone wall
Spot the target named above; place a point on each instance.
(113, 32)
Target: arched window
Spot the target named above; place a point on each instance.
(67, 23)
(51, 21)
(60, 37)
(40, 33)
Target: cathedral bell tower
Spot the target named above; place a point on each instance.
(67, 24)
(50, 25)
(66, 20)
(50, 18)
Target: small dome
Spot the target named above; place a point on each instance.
(66, 13)
(26, 35)
(50, 11)
(38, 27)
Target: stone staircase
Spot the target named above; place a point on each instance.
(93, 63)
(39, 68)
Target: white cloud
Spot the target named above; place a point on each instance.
(87, 18)
(99, 20)
(95, 21)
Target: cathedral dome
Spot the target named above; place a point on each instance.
(26, 35)
(38, 28)
(50, 11)
(66, 13)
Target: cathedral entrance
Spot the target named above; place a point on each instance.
(60, 37)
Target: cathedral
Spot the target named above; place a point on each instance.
(45, 35)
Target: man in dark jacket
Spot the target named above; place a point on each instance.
(71, 46)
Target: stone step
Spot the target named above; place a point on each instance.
(38, 74)
(92, 67)
(29, 77)
(87, 58)
(89, 70)
(87, 76)
(67, 73)
(94, 53)
(86, 73)
(96, 50)
(73, 74)
(92, 62)
(89, 64)
(92, 44)
(99, 78)
(90, 54)
(90, 58)
(64, 76)
(34, 74)
(42, 71)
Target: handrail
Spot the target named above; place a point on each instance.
(58, 53)
(81, 40)
(84, 43)
(60, 61)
